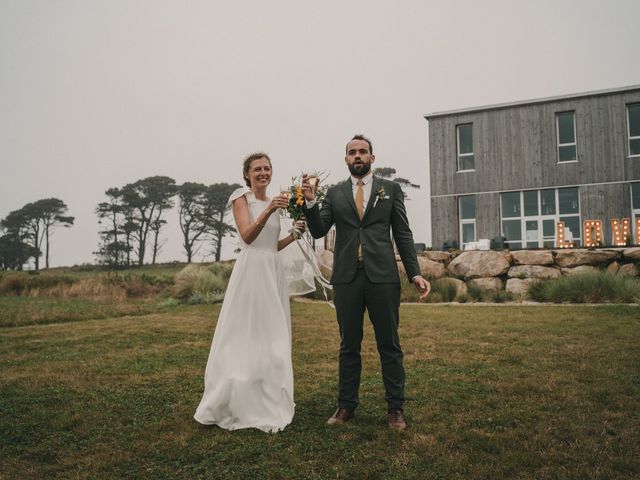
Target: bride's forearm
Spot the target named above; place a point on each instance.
(283, 242)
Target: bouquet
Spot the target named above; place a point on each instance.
(297, 200)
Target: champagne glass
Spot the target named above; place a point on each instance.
(313, 181)
(285, 192)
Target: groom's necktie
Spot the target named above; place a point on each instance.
(359, 207)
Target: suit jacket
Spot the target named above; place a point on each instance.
(388, 216)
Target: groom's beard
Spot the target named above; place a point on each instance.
(359, 170)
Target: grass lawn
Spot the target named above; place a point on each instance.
(494, 392)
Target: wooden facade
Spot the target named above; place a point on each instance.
(515, 148)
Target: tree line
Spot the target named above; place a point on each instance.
(132, 219)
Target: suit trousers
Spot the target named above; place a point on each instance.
(382, 301)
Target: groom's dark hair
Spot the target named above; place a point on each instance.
(361, 137)
(246, 165)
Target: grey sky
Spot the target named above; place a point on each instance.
(96, 94)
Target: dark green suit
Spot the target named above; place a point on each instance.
(373, 285)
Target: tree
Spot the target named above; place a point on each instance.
(33, 224)
(115, 246)
(14, 253)
(217, 197)
(192, 215)
(388, 173)
(51, 212)
(23, 227)
(146, 201)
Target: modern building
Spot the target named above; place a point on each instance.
(512, 172)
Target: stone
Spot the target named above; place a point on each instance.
(533, 271)
(532, 257)
(479, 264)
(579, 269)
(582, 256)
(428, 268)
(631, 253)
(436, 256)
(519, 286)
(493, 284)
(613, 267)
(629, 269)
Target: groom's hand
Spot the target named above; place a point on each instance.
(308, 190)
(422, 286)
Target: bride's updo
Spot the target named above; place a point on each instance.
(246, 165)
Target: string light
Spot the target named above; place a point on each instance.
(620, 230)
(560, 242)
(592, 233)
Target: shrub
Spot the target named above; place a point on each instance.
(445, 288)
(434, 297)
(169, 302)
(501, 296)
(22, 283)
(198, 298)
(464, 298)
(591, 287)
(197, 279)
(222, 269)
(476, 293)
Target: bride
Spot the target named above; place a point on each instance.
(249, 375)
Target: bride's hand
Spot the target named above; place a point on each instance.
(278, 202)
(298, 229)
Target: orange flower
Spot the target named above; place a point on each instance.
(299, 197)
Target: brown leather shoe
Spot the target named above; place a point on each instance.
(341, 417)
(396, 420)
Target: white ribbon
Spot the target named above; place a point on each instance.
(311, 258)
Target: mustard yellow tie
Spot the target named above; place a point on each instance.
(360, 207)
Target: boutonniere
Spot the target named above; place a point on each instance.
(380, 195)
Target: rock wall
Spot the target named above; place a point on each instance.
(515, 271)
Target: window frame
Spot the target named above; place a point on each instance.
(575, 138)
(635, 213)
(540, 218)
(629, 137)
(466, 221)
(459, 155)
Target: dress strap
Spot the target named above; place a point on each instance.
(246, 191)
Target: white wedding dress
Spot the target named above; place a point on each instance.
(249, 375)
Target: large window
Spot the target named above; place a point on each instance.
(566, 134)
(529, 218)
(467, 215)
(633, 129)
(465, 147)
(635, 206)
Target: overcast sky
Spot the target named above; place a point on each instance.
(97, 94)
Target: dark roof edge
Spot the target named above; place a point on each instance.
(521, 103)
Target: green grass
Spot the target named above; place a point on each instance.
(492, 392)
(18, 311)
(595, 287)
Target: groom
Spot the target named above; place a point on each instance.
(365, 209)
